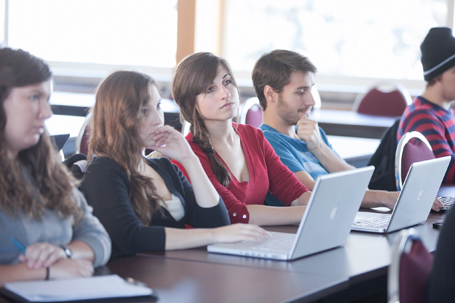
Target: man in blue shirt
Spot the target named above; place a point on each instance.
(283, 81)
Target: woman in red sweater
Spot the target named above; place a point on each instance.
(237, 158)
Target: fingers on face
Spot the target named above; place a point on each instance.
(161, 137)
(164, 129)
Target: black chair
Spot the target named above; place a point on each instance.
(384, 161)
(77, 165)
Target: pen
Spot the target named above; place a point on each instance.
(18, 244)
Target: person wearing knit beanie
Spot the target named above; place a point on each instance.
(431, 113)
(438, 61)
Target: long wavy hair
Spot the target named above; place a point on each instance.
(51, 185)
(192, 77)
(115, 122)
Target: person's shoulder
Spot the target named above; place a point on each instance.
(267, 129)
(103, 161)
(102, 170)
(421, 113)
(103, 164)
(272, 134)
(248, 130)
(422, 106)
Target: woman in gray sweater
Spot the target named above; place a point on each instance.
(47, 230)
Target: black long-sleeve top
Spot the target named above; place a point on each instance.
(106, 188)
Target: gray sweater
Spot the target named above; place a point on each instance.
(54, 230)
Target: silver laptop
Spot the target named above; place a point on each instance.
(326, 223)
(414, 203)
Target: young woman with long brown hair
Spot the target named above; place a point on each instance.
(41, 211)
(238, 160)
(146, 203)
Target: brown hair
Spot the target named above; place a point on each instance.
(275, 69)
(51, 185)
(115, 121)
(433, 80)
(192, 77)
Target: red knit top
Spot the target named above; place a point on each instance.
(267, 173)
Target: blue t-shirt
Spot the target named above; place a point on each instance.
(294, 152)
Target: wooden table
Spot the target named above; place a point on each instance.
(355, 151)
(360, 266)
(350, 123)
(356, 270)
(179, 280)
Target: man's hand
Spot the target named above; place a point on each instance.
(308, 131)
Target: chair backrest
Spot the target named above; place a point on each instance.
(383, 99)
(83, 137)
(251, 112)
(409, 270)
(412, 147)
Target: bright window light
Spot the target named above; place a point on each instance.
(352, 38)
(2, 22)
(117, 32)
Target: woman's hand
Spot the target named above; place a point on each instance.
(239, 232)
(71, 268)
(40, 255)
(171, 143)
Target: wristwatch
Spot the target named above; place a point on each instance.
(68, 252)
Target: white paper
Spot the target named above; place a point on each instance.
(98, 287)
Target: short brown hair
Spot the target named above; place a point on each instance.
(433, 80)
(275, 69)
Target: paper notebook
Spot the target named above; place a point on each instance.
(99, 287)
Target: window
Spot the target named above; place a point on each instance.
(353, 43)
(2, 22)
(351, 38)
(135, 32)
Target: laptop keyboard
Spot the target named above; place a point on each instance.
(447, 202)
(281, 245)
(379, 222)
